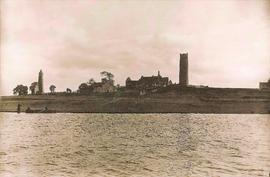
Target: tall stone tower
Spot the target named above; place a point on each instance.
(40, 82)
(183, 73)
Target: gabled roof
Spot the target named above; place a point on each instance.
(153, 79)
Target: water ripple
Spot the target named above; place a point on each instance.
(187, 145)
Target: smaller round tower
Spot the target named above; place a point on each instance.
(40, 82)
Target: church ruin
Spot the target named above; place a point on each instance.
(148, 82)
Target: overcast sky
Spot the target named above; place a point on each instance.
(72, 41)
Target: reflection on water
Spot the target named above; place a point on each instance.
(134, 145)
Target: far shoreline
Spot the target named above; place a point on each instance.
(166, 100)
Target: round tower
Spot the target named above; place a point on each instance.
(183, 73)
(40, 82)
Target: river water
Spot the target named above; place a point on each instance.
(187, 145)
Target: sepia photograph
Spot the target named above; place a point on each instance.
(134, 88)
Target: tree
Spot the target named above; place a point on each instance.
(91, 81)
(84, 88)
(32, 87)
(20, 90)
(52, 88)
(107, 77)
(68, 90)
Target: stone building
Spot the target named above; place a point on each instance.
(265, 85)
(37, 87)
(145, 83)
(34, 88)
(183, 72)
(103, 87)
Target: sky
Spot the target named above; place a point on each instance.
(227, 41)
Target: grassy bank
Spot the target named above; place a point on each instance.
(166, 100)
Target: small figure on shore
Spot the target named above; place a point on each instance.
(19, 108)
(28, 110)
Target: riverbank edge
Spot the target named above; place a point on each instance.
(201, 101)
